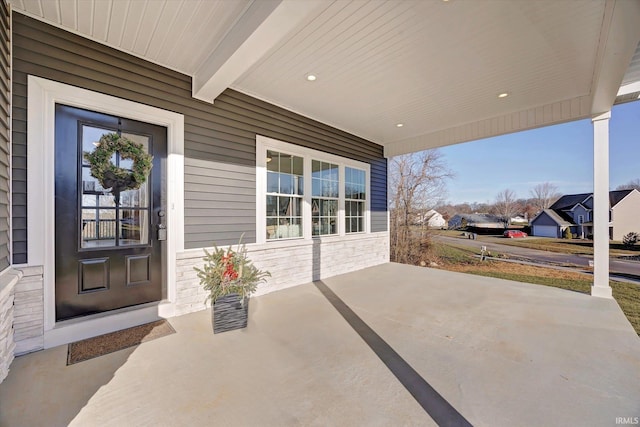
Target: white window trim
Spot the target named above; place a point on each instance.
(43, 94)
(263, 144)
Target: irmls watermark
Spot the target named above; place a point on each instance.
(629, 421)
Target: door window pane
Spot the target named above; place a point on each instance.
(103, 223)
(90, 137)
(98, 228)
(134, 227)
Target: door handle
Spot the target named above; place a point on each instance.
(162, 232)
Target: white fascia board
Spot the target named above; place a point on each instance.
(618, 42)
(263, 25)
(527, 118)
(629, 88)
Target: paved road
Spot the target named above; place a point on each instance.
(615, 266)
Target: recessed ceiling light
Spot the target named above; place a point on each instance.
(399, 125)
(311, 77)
(503, 95)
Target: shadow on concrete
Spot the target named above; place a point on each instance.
(431, 401)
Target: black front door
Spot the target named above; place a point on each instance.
(108, 255)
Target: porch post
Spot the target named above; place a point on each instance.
(600, 287)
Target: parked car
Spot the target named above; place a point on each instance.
(512, 234)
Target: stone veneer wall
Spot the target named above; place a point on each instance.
(290, 263)
(8, 281)
(28, 323)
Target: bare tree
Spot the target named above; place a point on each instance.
(634, 183)
(416, 181)
(544, 195)
(506, 206)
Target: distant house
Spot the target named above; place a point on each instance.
(518, 219)
(484, 221)
(433, 219)
(575, 212)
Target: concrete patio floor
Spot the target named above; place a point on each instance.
(473, 350)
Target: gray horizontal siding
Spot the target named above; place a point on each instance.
(219, 139)
(5, 98)
(544, 219)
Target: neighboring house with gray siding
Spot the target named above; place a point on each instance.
(575, 212)
(476, 220)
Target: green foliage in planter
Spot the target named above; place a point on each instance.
(229, 272)
(111, 176)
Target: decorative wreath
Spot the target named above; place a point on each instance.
(111, 176)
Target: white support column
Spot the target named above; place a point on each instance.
(600, 287)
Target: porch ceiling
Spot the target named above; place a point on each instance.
(437, 67)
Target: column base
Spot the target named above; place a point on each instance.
(601, 291)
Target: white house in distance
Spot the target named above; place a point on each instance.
(433, 219)
(575, 211)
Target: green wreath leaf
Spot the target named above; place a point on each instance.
(111, 176)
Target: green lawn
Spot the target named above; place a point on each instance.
(567, 246)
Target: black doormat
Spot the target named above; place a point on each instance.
(80, 351)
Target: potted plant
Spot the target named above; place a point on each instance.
(230, 278)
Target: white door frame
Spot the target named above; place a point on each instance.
(43, 94)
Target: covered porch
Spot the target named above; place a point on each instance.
(387, 345)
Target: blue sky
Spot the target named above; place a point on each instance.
(485, 167)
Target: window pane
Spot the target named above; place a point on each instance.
(90, 185)
(134, 227)
(98, 228)
(316, 187)
(332, 207)
(299, 185)
(90, 137)
(295, 229)
(333, 189)
(283, 206)
(272, 228)
(334, 174)
(288, 227)
(315, 169)
(139, 139)
(348, 191)
(272, 205)
(135, 198)
(325, 170)
(324, 226)
(286, 184)
(272, 182)
(298, 166)
(285, 163)
(297, 207)
(272, 161)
